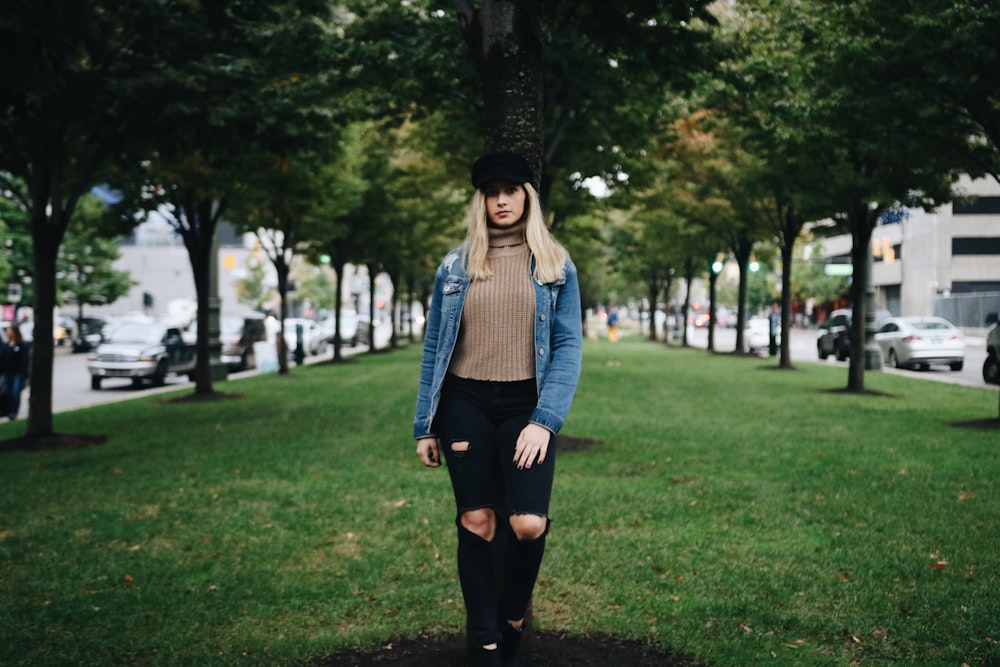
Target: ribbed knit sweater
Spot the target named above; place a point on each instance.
(496, 340)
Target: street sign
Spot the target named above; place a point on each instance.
(839, 269)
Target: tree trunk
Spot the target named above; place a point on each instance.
(790, 231)
(372, 273)
(688, 279)
(504, 37)
(861, 222)
(741, 253)
(713, 279)
(281, 270)
(46, 248)
(338, 339)
(654, 295)
(197, 227)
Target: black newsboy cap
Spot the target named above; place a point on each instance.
(501, 166)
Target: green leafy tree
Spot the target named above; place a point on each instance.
(71, 103)
(86, 272)
(250, 289)
(883, 142)
(250, 89)
(16, 267)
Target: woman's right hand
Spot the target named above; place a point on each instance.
(428, 451)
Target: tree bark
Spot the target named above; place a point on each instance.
(861, 221)
(504, 37)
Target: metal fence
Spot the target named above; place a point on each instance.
(967, 310)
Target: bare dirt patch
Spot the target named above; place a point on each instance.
(542, 649)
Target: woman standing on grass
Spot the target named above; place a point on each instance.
(14, 369)
(502, 354)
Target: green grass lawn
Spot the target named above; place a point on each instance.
(719, 507)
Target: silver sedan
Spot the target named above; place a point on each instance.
(919, 342)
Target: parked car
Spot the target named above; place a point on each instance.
(59, 334)
(89, 334)
(348, 327)
(141, 351)
(919, 342)
(834, 337)
(757, 334)
(991, 367)
(237, 334)
(313, 341)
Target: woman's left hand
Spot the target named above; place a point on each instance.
(532, 445)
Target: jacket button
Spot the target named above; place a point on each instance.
(542, 317)
(541, 351)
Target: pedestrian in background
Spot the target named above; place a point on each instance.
(14, 369)
(501, 361)
(613, 325)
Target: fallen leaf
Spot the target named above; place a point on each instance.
(938, 565)
(879, 632)
(128, 579)
(399, 503)
(966, 495)
(745, 628)
(855, 639)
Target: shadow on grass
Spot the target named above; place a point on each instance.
(54, 441)
(542, 649)
(992, 424)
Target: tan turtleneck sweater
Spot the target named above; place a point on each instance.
(496, 340)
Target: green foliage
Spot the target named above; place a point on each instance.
(86, 275)
(15, 251)
(798, 526)
(250, 289)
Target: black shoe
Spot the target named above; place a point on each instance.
(510, 639)
(482, 657)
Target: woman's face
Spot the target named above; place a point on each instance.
(504, 203)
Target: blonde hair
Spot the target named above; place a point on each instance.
(550, 257)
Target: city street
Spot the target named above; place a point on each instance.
(71, 381)
(804, 350)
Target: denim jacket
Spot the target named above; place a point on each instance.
(558, 343)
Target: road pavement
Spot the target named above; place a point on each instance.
(803, 349)
(71, 381)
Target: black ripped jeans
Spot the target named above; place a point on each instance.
(489, 416)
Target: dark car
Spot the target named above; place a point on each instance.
(991, 367)
(89, 334)
(834, 337)
(237, 335)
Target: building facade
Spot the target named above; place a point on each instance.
(945, 262)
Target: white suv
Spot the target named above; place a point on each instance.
(991, 369)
